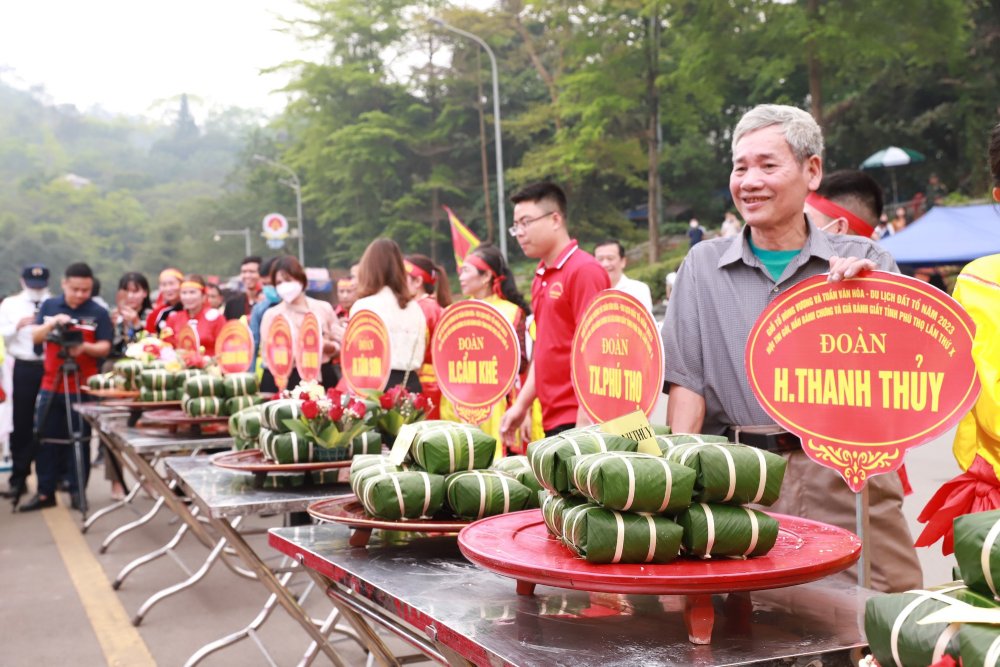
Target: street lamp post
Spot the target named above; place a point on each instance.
(501, 214)
(245, 232)
(294, 185)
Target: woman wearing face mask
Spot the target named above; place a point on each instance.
(289, 281)
(195, 312)
(383, 290)
(429, 285)
(132, 307)
(484, 275)
(167, 301)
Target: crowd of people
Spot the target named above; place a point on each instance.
(797, 222)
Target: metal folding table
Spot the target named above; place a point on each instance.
(422, 589)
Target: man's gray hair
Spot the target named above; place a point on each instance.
(801, 130)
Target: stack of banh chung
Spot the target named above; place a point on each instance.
(211, 396)
(447, 475)
(893, 622)
(611, 504)
(281, 444)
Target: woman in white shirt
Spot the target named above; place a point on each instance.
(382, 289)
(289, 280)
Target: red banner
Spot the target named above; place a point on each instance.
(309, 352)
(617, 364)
(234, 347)
(278, 351)
(364, 354)
(864, 369)
(187, 338)
(476, 358)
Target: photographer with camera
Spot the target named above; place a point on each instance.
(77, 333)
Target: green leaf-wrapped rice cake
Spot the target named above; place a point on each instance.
(366, 443)
(204, 385)
(181, 377)
(245, 423)
(553, 508)
(667, 441)
(130, 370)
(157, 378)
(403, 495)
(549, 457)
(600, 535)
(449, 448)
(275, 413)
(726, 530)
(367, 466)
(474, 494)
(237, 403)
(291, 448)
(633, 482)
(977, 550)
(206, 406)
(239, 444)
(106, 381)
(896, 637)
(239, 384)
(979, 645)
(147, 395)
(729, 473)
(519, 468)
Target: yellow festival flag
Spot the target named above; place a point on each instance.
(462, 237)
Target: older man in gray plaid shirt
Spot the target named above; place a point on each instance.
(721, 289)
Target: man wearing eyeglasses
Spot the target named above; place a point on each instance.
(566, 281)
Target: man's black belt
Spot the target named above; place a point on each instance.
(29, 362)
(781, 441)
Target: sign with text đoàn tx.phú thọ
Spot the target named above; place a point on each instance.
(476, 358)
(364, 354)
(187, 337)
(279, 349)
(234, 347)
(309, 351)
(617, 358)
(863, 369)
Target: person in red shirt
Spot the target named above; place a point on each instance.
(167, 301)
(195, 312)
(429, 283)
(566, 281)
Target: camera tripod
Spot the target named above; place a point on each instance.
(68, 375)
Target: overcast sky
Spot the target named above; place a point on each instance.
(128, 55)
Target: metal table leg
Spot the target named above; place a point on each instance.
(187, 583)
(280, 594)
(153, 555)
(141, 521)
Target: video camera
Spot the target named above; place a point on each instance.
(66, 335)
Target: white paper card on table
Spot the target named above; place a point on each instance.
(636, 427)
(400, 448)
(961, 612)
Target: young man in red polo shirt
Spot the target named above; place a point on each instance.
(566, 281)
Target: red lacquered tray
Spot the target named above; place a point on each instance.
(110, 393)
(180, 417)
(519, 546)
(252, 460)
(348, 510)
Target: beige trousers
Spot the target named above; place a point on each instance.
(815, 492)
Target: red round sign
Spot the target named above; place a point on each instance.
(278, 347)
(476, 358)
(187, 337)
(234, 347)
(864, 369)
(617, 364)
(309, 352)
(364, 354)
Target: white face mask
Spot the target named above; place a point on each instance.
(289, 291)
(35, 294)
(831, 224)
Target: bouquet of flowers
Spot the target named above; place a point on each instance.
(150, 348)
(329, 417)
(398, 407)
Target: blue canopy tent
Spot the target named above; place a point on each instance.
(947, 235)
